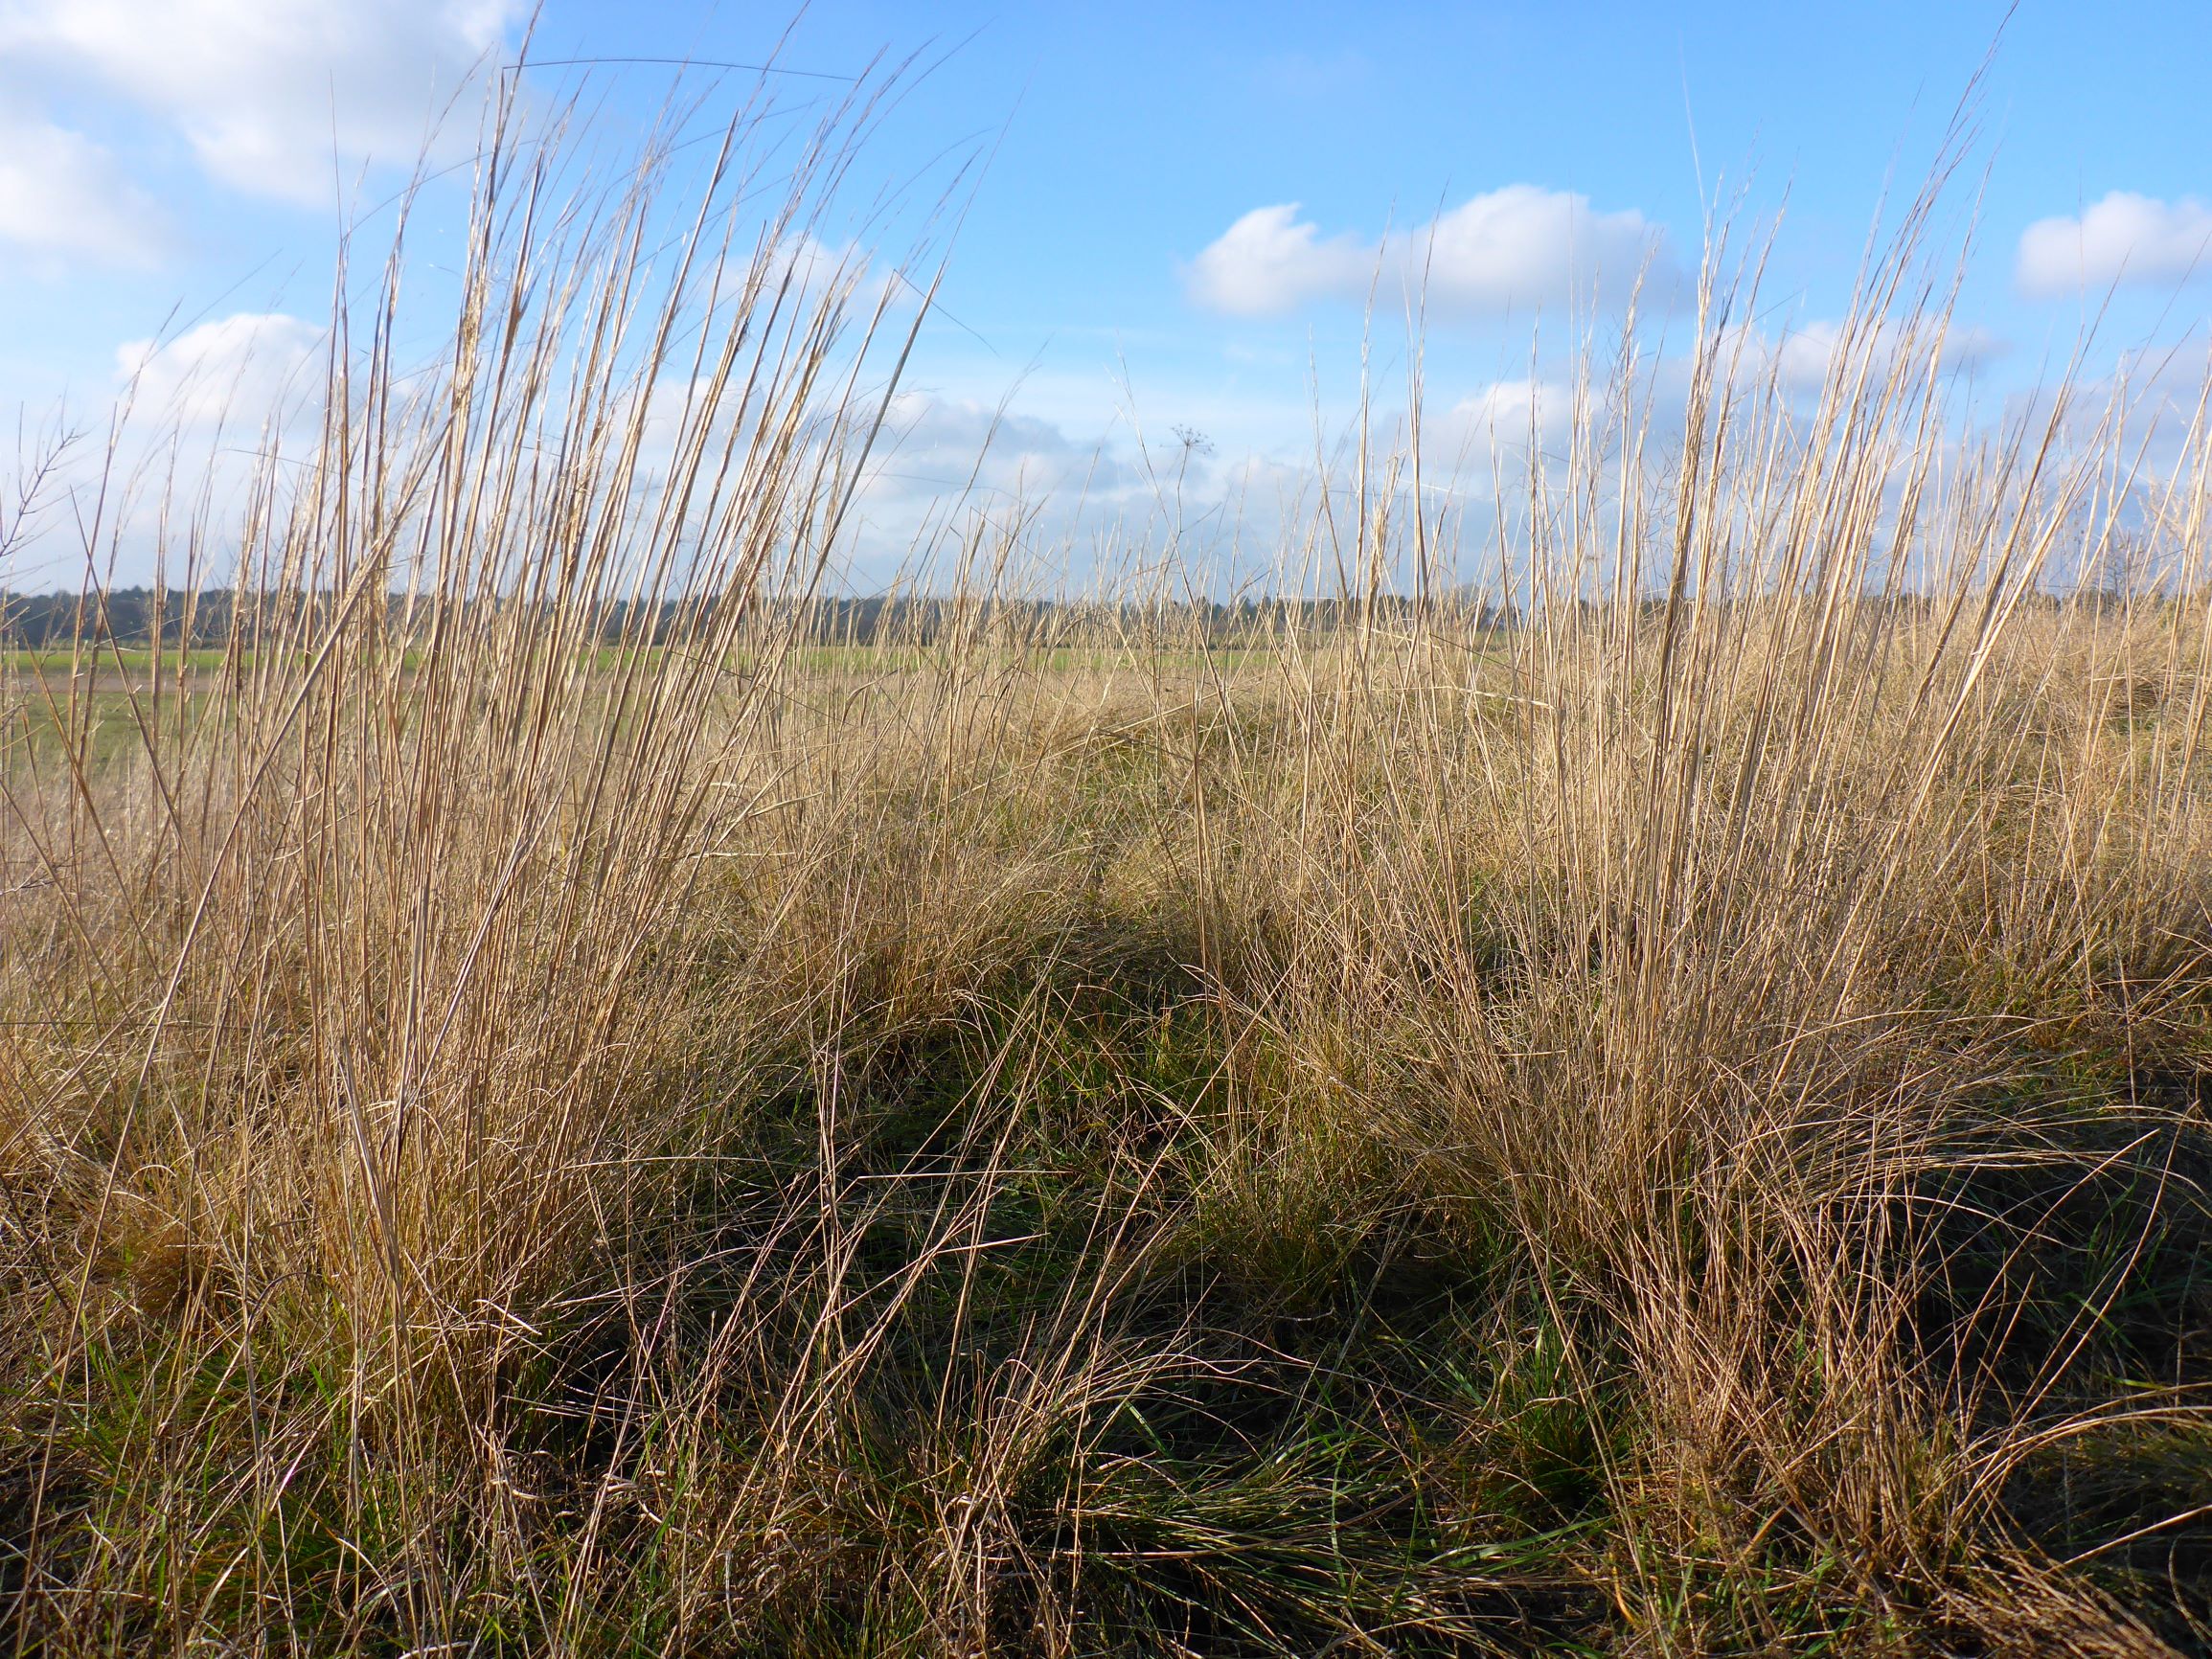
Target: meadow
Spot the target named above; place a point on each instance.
(549, 1103)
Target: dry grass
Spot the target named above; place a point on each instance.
(1671, 1126)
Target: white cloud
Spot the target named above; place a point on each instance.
(1518, 246)
(1523, 245)
(932, 446)
(2125, 237)
(1803, 359)
(61, 194)
(1268, 262)
(1804, 355)
(1510, 416)
(245, 369)
(946, 464)
(272, 95)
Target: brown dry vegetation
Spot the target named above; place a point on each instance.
(1674, 1126)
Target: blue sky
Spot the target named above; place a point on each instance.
(1131, 255)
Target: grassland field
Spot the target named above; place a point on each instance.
(1674, 1125)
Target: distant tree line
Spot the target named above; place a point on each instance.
(48, 620)
(207, 620)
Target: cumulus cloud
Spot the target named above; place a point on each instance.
(2126, 238)
(1803, 357)
(1518, 246)
(1510, 417)
(1271, 261)
(1514, 417)
(60, 194)
(932, 446)
(270, 93)
(946, 463)
(245, 369)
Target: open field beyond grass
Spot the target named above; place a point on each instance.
(1673, 1122)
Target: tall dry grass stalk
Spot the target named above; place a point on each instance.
(553, 1100)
